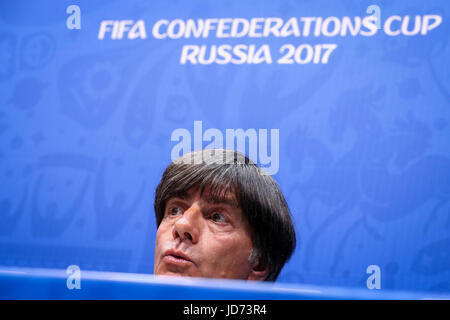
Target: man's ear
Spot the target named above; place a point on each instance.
(259, 271)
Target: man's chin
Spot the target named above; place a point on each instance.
(172, 274)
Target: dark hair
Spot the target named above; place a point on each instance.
(258, 195)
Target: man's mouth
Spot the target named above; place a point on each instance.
(176, 257)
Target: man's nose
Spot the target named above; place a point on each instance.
(187, 226)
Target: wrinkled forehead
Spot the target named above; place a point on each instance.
(218, 195)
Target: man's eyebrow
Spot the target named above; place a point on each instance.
(182, 196)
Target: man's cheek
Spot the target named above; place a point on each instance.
(158, 249)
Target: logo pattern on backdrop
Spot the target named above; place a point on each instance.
(85, 128)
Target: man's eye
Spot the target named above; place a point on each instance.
(218, 217)
(174, 211)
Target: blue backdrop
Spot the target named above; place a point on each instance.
(87, 116)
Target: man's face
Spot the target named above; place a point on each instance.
(197, 238)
